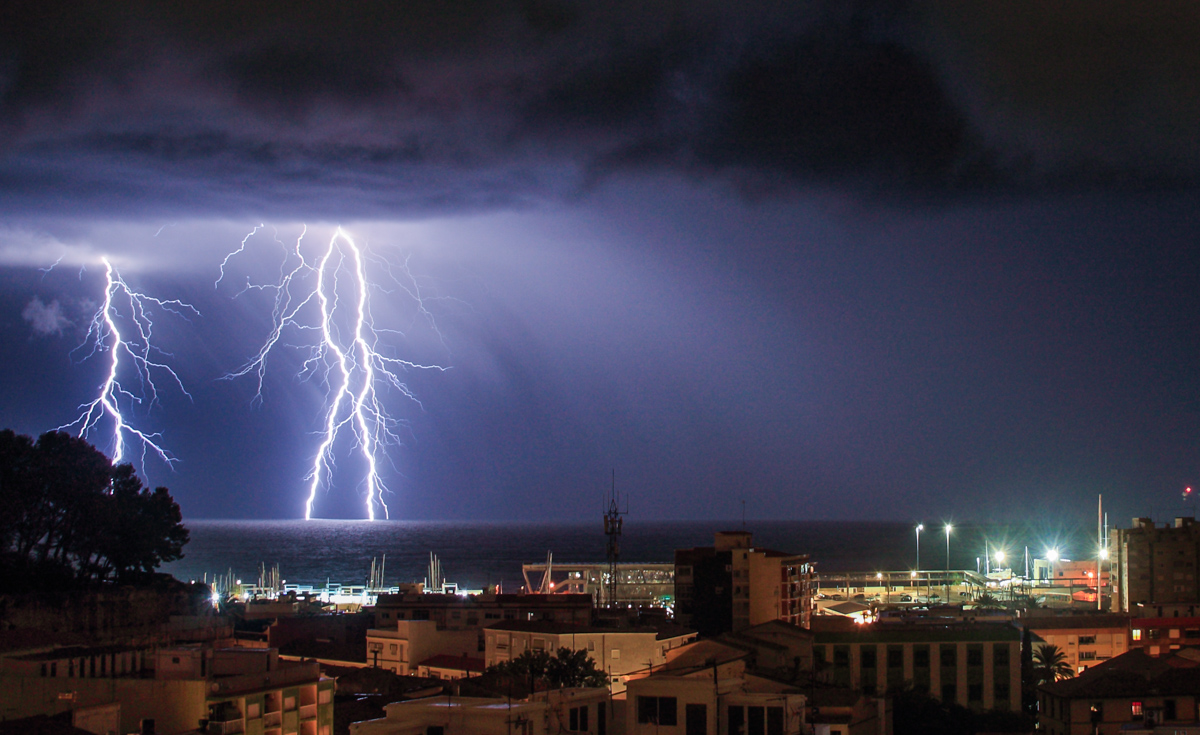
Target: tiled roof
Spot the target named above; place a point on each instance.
(1133, 674)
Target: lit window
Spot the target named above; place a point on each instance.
(1137, 634)
(1136, 709)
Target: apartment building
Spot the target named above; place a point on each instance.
(1155, 564)
(732, 585)
(1085, 640)
(173, 689)
(580, 711)
(1132, 694)
(617, 651)
(976, 665)
(458, 612)
(402, 648)
(707, 689)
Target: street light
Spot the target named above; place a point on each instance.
(999, 567)
(920, 527)
(949, 528)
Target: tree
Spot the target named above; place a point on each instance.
(69, 512)
(567, 668)
(1050, 664)
(987, 601)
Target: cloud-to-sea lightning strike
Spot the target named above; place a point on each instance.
(329, 295)
(122, 304)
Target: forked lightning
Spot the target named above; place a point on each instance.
(328, 295)
(123, 305)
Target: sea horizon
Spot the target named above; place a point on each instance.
(482, 553)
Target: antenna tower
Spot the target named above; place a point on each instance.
(612, 529)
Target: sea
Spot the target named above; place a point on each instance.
(482, 554)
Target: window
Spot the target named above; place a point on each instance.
(774, 720)
(657, 711)
(920, 657)
(696, 719)
(1137, 634)
(616, 655)
(949, 693)
(867, 657)
(578, 719)
(755, 722)
(975, 692)
(1135, 709)
(1087, 640)
(1000, 655)
(393, 648)
(974, 656)
(1169, 709)
(1096, 712)
(949, 657)
(591, 645)
(895, 657)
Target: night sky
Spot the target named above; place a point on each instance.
(838, 260)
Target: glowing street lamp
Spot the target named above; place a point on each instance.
(949, 528)
(920, 527)
(1052, 555)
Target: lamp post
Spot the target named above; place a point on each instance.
(920, 527)
(999, 562)
(949, 528)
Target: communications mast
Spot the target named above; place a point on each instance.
(612, 529)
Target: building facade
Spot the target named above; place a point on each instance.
(1153, 564)
(458, 612)
(177, 689)
(1085, 640)
(615, 651)
(696, 695)
(401, 648)
(1132, 694)
(977, 666)
(732, 585)
(545, 713)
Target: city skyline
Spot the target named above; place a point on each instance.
(846, 262)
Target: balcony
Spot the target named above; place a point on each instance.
(272, 719)
(232, 727)
(308, 712)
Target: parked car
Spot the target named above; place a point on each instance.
(906, 598)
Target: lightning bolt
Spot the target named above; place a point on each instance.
(326, 299)
(122, 304)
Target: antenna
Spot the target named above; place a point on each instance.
(612, 529)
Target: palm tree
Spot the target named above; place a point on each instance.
(987, 601)
(1050, 664)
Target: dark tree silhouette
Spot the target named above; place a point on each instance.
(69, 512)
(566, 668)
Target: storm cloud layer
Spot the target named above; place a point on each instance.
(379, 108)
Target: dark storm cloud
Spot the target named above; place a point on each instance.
(376, 108)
